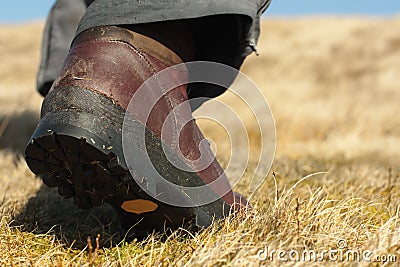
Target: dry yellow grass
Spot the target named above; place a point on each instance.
(332, 84)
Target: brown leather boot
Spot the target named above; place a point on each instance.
(77, 145)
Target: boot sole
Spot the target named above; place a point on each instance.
(78, 149)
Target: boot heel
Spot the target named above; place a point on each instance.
(76, 148)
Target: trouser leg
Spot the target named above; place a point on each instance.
(59, 32)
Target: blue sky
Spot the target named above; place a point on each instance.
(27, 10)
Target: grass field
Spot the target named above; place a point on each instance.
(333, 87)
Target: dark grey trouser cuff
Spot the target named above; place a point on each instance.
(128, 12)
(60, 29)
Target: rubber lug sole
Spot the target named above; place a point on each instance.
(80, 153)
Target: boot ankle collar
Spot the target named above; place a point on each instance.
(137, 40)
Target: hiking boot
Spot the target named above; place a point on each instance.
(77, 146)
